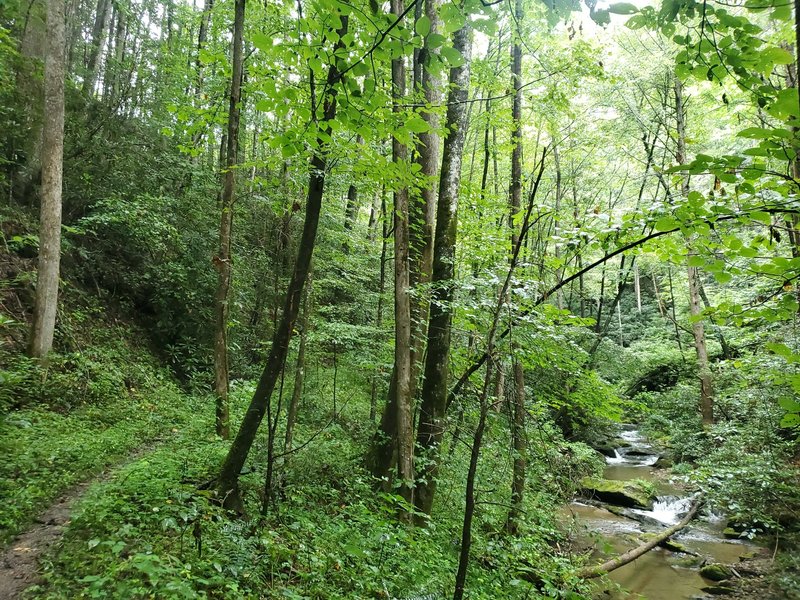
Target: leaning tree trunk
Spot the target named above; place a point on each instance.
(437, 360)
(46, 304)
(222, 261)
(228, 481)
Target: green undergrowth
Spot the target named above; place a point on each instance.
(152, 531)
(89, 409)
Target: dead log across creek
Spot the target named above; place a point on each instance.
(630, 555)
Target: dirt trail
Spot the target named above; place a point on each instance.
(19, 562)
(19, 566)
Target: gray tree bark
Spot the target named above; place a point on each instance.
(46, 304)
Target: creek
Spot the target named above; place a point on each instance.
(659, 574)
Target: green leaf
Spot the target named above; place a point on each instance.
(452, 18)
(667, 224)
(623, 8)
(423, 26)
(417, 124)
(261, 41)
(452, 57)
(722, 277)
(777, 56)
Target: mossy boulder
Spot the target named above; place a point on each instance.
(664, 462)
(630, 494)
(716, 572)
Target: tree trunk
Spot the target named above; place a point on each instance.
(96, 47)
(46, 304)
(404, 436)
(223, 259)
(706, 390)
(228, 481)
(469, 493)
(422, 210)
(515, 201)
(373, 401)
(631, 555)
(299, 373)
(437, 360)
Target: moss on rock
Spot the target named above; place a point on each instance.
(631, 494)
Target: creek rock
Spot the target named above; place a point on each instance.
(630, 494)
(663, 462)
(716, 572)
(718, 590)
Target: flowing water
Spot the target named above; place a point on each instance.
(660, 574)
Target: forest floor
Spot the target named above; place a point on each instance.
(19, 562)
(19, 565)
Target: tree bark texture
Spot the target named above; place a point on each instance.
(422, 209)
(437, 360)
(223, 260)
(52, 161)
(515, 201)
(404, 437)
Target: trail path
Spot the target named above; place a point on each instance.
(19, 566)
(19, 562)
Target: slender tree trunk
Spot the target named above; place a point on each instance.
(469, 494)
(404, 439)
(422, 211)
(698, 331)
(379, 311)
(704, 372)
(637, 288)
(437, 360)
(52, 161)
(228, 481)
(727, 351)
(299, 372)
(223, 259)
(96, 47)
(515, 200)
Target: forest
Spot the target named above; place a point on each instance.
(409, 299)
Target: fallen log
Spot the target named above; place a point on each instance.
(631, 555)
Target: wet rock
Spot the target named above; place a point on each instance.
(638, 453)
(664, 462)
(731, 534)
(716, 572)
(718, 590)
(606, 450)
(687, 562)
(630, 494)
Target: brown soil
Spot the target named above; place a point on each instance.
(19, 565)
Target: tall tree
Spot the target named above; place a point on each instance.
(437, 359)
(693, 274)
(228, 480)
(404, 438)
(515, 201)
(52, 153)
(96, 45)
(222, 261)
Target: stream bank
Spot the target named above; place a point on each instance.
(607, 526)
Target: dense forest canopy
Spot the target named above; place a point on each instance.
(344, 299)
